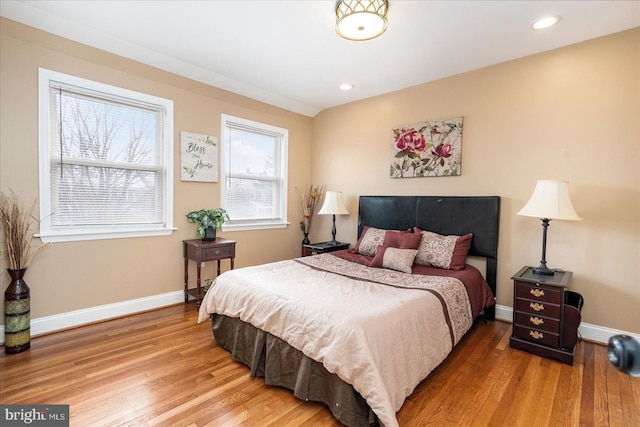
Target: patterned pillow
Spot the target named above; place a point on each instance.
(394, 258)
(369, 241)
(372, 237)
(448, 252)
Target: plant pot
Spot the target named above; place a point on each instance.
(209, 234)
(17, 314)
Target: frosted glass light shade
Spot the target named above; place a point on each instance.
(361, 19)
(333, 204)
(550, 199)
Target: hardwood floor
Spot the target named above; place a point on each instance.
(161, 368)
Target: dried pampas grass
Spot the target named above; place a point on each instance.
(16, 223)
(309, 200)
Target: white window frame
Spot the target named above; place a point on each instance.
(48, 233)
(228, 122)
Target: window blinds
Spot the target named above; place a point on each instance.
(106, 159)
(252, 175)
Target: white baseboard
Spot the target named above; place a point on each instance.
(71, 319)
(587, 331)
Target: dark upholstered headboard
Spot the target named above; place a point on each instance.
(455, 215)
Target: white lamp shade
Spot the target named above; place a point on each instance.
(333, 204)
(550, 199)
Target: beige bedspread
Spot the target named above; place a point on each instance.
(381, 339)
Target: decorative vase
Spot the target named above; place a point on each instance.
(306, 240)
(209, 233)
(17, 314)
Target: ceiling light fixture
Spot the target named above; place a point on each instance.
(361, 19)
(546, 22)
(346, 86)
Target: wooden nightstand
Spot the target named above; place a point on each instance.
(201, 251)
(546, 315)
(321, 248)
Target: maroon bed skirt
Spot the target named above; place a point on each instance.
(282, 365)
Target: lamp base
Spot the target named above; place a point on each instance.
(333, 241)
(543, 270)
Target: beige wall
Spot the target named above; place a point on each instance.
(571, 114)
(76, 275)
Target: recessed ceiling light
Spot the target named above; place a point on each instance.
(546, 22)
(346, 86)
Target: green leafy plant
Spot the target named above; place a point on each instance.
(206, 218)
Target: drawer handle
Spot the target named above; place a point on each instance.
(537, 293)
(537, 307)
(217, 251)
(536, 335)
(536, 321)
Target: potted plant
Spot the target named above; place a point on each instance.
(210, 220)
(17, 222)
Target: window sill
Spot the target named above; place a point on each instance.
(255, 226)
(101, 235)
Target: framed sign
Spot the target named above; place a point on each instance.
(199, 157)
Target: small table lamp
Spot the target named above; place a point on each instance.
(333, 205)
(550, 200)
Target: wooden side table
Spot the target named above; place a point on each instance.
(321, 248)
(546, 315)
(201, 251)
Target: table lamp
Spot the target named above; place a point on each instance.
(550, 200)
(333, 205)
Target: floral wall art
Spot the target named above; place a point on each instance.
(427, 149)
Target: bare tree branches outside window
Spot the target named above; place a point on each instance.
(104, 162)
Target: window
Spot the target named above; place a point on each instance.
(254, 167)
(106, 157)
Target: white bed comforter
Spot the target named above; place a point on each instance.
(381, 339)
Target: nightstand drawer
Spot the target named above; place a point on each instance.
(222, 252)
(537, 336)
(543, 293)
(540, 308)
(536, 321)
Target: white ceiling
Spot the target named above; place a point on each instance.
(287, 53)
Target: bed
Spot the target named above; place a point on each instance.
(358, 329)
